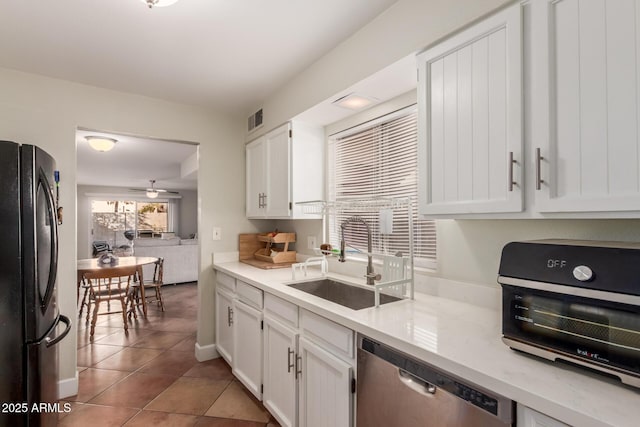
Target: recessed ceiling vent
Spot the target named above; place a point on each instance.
(255, 121)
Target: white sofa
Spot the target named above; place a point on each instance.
(180, 257)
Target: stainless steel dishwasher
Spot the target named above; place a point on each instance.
(396, 390)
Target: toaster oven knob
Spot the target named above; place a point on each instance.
(583, 273)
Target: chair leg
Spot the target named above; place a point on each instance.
(124, 315)
(89, 306)
(84, 299)
(132, 307)
(96, 306)
(159, 297)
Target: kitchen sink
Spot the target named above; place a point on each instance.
(349, 296)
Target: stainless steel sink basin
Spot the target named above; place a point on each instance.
(350, 296)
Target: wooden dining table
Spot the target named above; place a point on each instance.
(93, 264)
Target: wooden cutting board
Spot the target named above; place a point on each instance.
(248, 244)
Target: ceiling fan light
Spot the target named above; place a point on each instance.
(158, 3)
(152, 194)
(101, 143)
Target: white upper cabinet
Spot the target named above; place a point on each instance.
(284, 166)
(586, 80)
(470, 121)
(255, 164)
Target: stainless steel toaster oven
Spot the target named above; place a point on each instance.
(576, 301)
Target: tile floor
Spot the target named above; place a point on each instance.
(151, 377)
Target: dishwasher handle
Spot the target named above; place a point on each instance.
(416, 384)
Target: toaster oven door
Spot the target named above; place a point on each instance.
(595, 331)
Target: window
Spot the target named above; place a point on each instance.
(379, 160)
(111, 218)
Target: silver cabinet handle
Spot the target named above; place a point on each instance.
(539, 180)
(289, 361)
(511, 163)
(264, 200)
(298, 366)
(230, 316)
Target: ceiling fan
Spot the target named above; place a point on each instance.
(152, 192)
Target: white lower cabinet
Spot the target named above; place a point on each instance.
(224, 324)
(325, 387)
(299, 364)
(527, 417)
(307, 378)
(247, 348)
(247, 337)
(279, 367)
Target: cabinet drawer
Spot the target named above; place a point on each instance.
(249, 294)
(226, 281)
(334, 337)
(280, 309)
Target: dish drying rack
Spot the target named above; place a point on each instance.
(397, 271)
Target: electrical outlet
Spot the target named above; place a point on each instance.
(311, 242)
(217, 233)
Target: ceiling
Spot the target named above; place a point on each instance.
(228, 55)
(133, 162)
(224, 54)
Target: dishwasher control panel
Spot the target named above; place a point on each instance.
(474, 396)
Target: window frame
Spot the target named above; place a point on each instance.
(172, 210)
(421, 263)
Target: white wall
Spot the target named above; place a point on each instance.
(46, 112)
(188, 222)
(406, 27)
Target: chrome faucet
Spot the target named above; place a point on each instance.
(371, 275)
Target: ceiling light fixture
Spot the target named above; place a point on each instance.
(354, 101)
(101, 143)
(158, 3)
(152, 193)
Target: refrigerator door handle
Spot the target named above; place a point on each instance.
(51, 342)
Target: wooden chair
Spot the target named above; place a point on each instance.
(155, 283)
(109, 285)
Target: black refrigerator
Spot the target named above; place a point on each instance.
(30, 323)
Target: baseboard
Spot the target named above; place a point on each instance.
(68, 387)
(206, 352)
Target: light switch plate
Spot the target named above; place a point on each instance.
(217, 233)
(311, 242)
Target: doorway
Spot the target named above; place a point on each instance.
(142, 187)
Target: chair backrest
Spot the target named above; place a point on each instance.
(112, 281)
(158, 271)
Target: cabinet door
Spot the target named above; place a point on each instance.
(470, 119)
(527, 417)
(278, 176)
(224, 325)
(247, 349)
(280, 392)
(586, 112)
(325, 388)
(256, 171)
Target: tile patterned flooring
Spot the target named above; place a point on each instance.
(151, 377)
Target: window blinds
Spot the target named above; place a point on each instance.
(380, 161)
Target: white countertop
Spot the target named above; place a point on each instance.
(465, 340)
